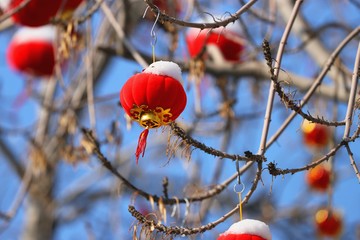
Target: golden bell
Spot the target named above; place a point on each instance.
(150, 120)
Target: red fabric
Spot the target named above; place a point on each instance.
(36, 12)
(35, 58)
(230, 49)
(318, 178)
(239, 237)
(154, 91)
(318, 137)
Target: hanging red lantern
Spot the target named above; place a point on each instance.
(154, 98)
(31, 51)
(35, 13)
(247, 229)
(319, 177)
(229, 43)
(315, 135)
(328, 223)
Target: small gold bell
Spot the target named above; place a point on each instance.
(150, 120)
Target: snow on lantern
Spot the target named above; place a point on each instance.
(31, 51)
(36, 13)
(247, 229)
(328, 223)
(154, 98)
(226, 43)
(319, 177)
(315, 135)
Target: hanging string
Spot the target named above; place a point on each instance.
(240, 184)
(152, 33)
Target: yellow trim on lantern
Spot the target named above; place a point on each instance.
(321, 216)
(151, 118)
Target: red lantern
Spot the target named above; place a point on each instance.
(229, 43)
(247, 229)
(328, 223)
(35, 13)
(31, 51)
(319, 177)
(315, 135)
(154, 98)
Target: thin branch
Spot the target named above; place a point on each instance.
(254, 69)
(290, 103)
(120, 33)
(352, 161)
(14, 10)
(19, 198)
(277, 171)
(196, 144)
(12, 159)
(90, 78)
(316, 83)
(210, 193)
(170, 231)
(354, 83)
(223, 23)
(267, 118)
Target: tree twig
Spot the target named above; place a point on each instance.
(267, 118)
(354, 83)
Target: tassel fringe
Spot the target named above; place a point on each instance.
(141, 144)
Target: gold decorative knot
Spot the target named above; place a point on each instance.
(151, 118)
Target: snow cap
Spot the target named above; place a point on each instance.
(250, 226)
(4, 4)
(165, 68)
(26, 34)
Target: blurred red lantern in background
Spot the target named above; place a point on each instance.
(229, 43)
(31, 51)
(35, 13)
(38, 12)
(154, 98)
(328, 223)
(170, 7)
(247, 229)
(319, 177)
(315, 135)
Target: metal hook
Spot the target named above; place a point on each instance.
(239, 183)
(238, 190)
(238, 169)
(187, 211)
(152, 33)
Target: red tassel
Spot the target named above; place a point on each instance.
(141, 144)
